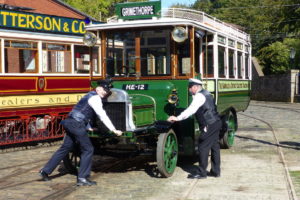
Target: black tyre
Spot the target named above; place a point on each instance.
(167, 153)
(228, 130)
(72, 161)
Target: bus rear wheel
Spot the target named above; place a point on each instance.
(228, 130)
(72, 161)
(167, 153)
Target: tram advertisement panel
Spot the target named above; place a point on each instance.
(38, 101)
(41, 23)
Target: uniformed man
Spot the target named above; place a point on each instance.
(205, 111)
(76, 125)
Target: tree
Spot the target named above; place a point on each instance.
(99, 9)
(275, 58)
(259, 18)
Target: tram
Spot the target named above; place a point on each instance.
(150, 53)
(44, 71)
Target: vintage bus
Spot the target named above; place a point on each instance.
(150, 53)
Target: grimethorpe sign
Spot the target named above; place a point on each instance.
(138, 10)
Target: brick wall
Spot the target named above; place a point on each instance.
(48, 7)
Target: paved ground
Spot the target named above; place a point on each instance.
(252, 169)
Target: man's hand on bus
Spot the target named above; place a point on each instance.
(172, 119)
(117, 132)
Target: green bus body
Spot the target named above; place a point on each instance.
(151, 104)
(150, 62)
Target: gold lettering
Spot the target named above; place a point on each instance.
(67, 99)
(10, 102)
(28, 101)
(4, 17)
(56, 24)
(81, 27)
(30, 20)
(39, 22)
(79, 97)
(47, 23)
(40, 100)
(21, 20)
(73, 27)
(3, 102)
(14, 16)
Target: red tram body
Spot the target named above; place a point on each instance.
(44, 68)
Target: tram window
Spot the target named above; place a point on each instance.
(247, 66)
(155, 53)
(209, 68)
(82, 56)
(20, 57)
(222, 61)
(120, 54)
(56, 58)
(231, 63)
(239, 64)
(184, 58)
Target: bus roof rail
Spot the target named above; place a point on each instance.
(204, 18)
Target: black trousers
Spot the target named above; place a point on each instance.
(76, 133)
(209, 141)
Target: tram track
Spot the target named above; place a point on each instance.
(19, 170)
(289, 183)
(280, 108)
(21, 165)
(117, 165)
(290, 186)
(8, 182)
(111, 165)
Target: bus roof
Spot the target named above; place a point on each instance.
(177, 17)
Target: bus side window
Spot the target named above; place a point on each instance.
(184, 59)
(208, 69)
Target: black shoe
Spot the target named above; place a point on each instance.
(85, 182)
(213, 174)
(44, 175)
(196, 176)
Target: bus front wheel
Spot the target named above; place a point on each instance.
(167, 153)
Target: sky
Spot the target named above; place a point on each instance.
(168, 3)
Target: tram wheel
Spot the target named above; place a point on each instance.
(167, 153)
(230, 122)
(72, 161)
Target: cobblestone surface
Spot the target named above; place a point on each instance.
(252, 169)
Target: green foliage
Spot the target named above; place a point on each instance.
(275, 58)
(271, 24)
(99, 9)
(179, 5)
(294, 43)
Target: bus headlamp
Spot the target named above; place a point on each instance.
(173, 97)
(89, 39)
